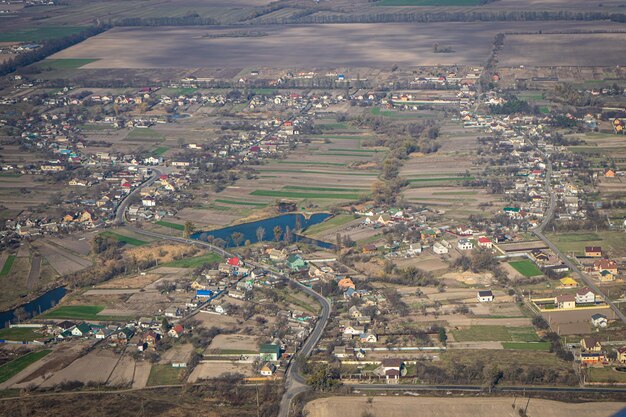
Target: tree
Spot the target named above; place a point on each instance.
(298, 224)
(165, 325)
(189, 228)
(323, 377)
(21, 314)
(277, 233)
(443, 337)
(260, 233)
(237, 238)
(288, 235)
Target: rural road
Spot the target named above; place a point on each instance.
(120, 212)
(538, 231)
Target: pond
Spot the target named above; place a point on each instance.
(249, 230)
(35, 307)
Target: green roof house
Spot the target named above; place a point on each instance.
(296, 263)
(269, 352)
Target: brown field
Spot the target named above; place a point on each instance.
(575, 322)
(308, 46)
(458, 407)
(556, 50)
(235, 342)
(95, 366)
(213, 369)
(62, 260)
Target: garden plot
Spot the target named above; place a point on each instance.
(214, 369)
(96, 366)
(123, 373)
(575, 322)
(62, 260)
(234, 343)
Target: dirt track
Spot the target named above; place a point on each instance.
(453, 407)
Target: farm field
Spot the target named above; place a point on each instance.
(82, 312)
(39, 34)
(612, 242)
(171, 225)
(495, 333)
(461, 407)
(526, 268)
(12, 368)
(8, 264)
(402, 44)
(164, 375)
(125, 239)
(194, 262)
(551, 50)
(19, 334)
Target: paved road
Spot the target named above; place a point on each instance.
(120, 212)
(478, 388)
(538, 231)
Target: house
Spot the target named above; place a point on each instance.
(204, 293)
(268, 369)
(81, 330)
(176, 331)
(103, 333)
(439, 249)
(368, 338)
(465, 244)
(592, 358)
(220, 309)
(484, 296)
(124, 335)
(609, 173)
(172, 312)
(269, 352)
(485, 242)
(565, 301)
(151, 338)
(599, 320)
(605, 265)
(277, 255)
(590, 344)
(568, 282)
(585, 296)
(346, 283)
(606, 276)
(621, 354)
(65, 325)
(354, 312)
(388, 366)
(353, 330)
(296, 263)
(593, 251)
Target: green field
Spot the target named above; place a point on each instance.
(295, 194)
(160, 150)
(75, 312)
(10, 175)
(264, 91)
(311, 163)
(96, 127)
(329, 189)
(612, 242)
(304, 171)
(540, 346)
(342, 137)
(124, 239)
(495, 334)
(40, 34)
(19, 334)
(526, 268)
(164, 375)
(240, 203)
(8, 264)
(195, 262)
(428, 3)
(356, 150)
(606, 375)
(10, 369)
(64, 64)
(143, 135)
(336, 221)
(171, 225)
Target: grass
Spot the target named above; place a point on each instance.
(356, 150)
(295, 194)
(40, 34)
(65, 63)
(606, 375)
(303, 171)
(240, 203)
(125, 239)
(311, 163)
(526, 268)
(171, 225)
(336, 221)
(195, 262)
(347, 137)
(412, 180)
(264, 91)
(10, 175)
(376, 111)
(329, 189)
(160, 150)
(10, 369)
(495, 334)
(75, 312)
(143, 135)
(539, 346)
(95, 127)
(428, 3)
(164, 375)
(8, 264)
(612, 242)
(237, 352)
(19, 334)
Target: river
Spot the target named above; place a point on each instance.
(37, 306)
(249, 230)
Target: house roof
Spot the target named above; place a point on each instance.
(565, 297)
(233, 261)
(178, 328)
(593, 249)
(392, 363)
(269, 348)
(568, 281)
(584, 291)
(486, 293)
(484, 239)
(591, 341)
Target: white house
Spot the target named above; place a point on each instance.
(465, 244)
(485, 296)
(268, 369)
(485, 242)
(148, 202)
(599, 320)
(439, 249)
(585, 296)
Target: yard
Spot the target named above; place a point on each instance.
(195, 262)
(19, 334)
(526, 268)
(75, 312)
(125, 239)
(10, 369)
(495, 333)
(608, 375)
(164, 375)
